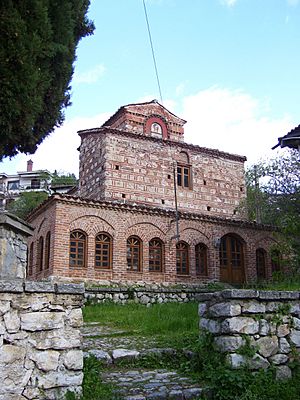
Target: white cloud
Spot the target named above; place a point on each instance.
(90, 76)
(233, 121)
(228, 3)
(293, 3)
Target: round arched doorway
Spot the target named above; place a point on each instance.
(232, 268)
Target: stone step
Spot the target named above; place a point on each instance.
(141, 384)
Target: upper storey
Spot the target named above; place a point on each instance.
(149, 119)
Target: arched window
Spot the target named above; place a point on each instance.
(155, 255)
(40, 250)
(201, 259)
(103, 251)
(261, 264)
(182, 258)
(30, 261)
(47, 250)
(275, 260)
(134, 254)
(77, 249)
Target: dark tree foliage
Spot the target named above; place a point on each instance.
(277, 198)
(37, 51)
(26, 203)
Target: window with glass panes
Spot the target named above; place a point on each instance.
(183, 176)
(155, 255)
(77, 249)
(103, 251)
(201, 259)
(261, 263)
(47, 250)
(182, 258)
(40, 251)
(134, 254)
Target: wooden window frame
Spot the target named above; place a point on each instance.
(156, 255)
(100, 242)
(133, 247)
(276, 260)
(40, 254)
(181, 249)
(78, 240)
(181, 174)
(201, 253)
(47, 250)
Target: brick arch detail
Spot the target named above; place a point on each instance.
(159, 120)
(195, 236)
(145, 231)
(92, 225)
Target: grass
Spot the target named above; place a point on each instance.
(174, 324)
(279, 281)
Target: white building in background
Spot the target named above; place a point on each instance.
(11, 186)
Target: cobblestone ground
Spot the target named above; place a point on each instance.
(111, 346)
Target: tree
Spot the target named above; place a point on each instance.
(278, 196)
(37, 51)
(26, 203)
(63, 179)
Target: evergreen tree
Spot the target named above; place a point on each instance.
(37, 51)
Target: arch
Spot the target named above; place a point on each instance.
(77, 252)
(183, 157)
(182, 258)
(91, 224)
(134, 254)
(232, 263)
(261, 256)
(201, 259)
(103, 251)
(145, 223)
(156, 119)
(156, 255)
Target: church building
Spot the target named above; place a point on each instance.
(150, 207)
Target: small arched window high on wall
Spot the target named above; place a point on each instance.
(201, 259)
(182, 258)
(40, 252)
(103, 251)
(261, 263)
(77, 249)
(134, 254)
(47, 250)
(155, 255)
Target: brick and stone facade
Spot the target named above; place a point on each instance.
(129, 170)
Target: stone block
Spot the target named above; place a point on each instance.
(73, 359)
(39, 321)
(12, 321)
(228, 343)
(283, 330)
(46, 360)
(224, 310)
(210, 325)
(236, 360)
(295, 337)
(4, 307)
(269, 295)
(258, 362)
(124, 354)
(70, 288)
(268, 346)
(264, 327)
(57, 339)
(54, 379)
(202, 308)
(240, 325)
(284, 346)
(283, 372)
(239, 294)
(39, 287)
(278, 359)
(11, 286)
(253, 307)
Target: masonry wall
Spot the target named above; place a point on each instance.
(137, 169)
(253, 328)
(121, 221)
(40, 342)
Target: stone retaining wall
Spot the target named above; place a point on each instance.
(254, 328)
(40, 341)
(142, 295)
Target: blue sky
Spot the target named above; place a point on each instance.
(229, 67)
